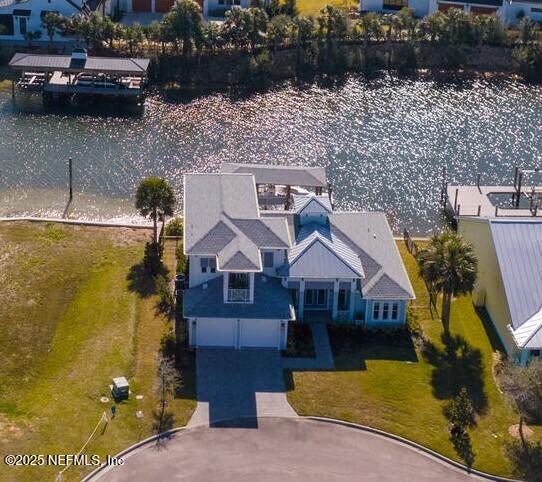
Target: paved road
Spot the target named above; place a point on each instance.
(288, 449)
(235, 384)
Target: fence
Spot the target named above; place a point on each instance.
(414, 250)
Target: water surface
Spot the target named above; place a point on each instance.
(384, 143)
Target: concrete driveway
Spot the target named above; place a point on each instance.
(239, 384)
(288, 449)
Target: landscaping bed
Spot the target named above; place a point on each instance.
(300, 342)
(401, 384)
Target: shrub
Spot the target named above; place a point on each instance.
(527, 460)
(175, 227)
(168, 345)
(460, 411)
(528, 62)
(413, 324)
(167, 300)
(152, 260)
(181, 259)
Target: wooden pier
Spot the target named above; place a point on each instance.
(66, 75)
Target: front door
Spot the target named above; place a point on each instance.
(316, 299)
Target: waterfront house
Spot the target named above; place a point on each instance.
(509, 11)
(254, 270)
(509, 282)
(17, 18)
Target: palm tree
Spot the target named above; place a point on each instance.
(448, 264)
(155, 198)
(187, 23)
(51, 23)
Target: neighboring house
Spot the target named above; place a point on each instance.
(508, 11)
(251, 271)
(509, 281)
(216, 9)
(17, 17)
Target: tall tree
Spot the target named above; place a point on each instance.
(51, 22)
(449, 265)
(187, 23)
(155, 198)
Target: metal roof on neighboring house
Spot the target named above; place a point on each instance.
(271, 301)
(280, 175)
(518, 246)
(65, 63)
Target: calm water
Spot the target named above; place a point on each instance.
(384, 143)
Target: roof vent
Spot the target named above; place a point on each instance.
(79, 54)
(204, 286)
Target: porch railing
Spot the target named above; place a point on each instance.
(238, 295)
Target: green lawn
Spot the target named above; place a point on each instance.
(395, 385)
(313, 7)
(76, 310)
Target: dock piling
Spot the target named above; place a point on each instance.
(70, 174)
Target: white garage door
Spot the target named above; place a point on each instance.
(259, 333)
(216, 332)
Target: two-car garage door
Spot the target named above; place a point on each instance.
(229, 332)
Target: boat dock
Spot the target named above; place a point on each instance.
(522, 199)
(65, 75)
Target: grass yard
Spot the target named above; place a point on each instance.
(391, 384)
(313, 7)
(76, 311)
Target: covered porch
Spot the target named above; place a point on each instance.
(324, 300)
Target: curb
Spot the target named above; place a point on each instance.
(415, 445)
(344, 423)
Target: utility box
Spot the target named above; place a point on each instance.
(120, 388)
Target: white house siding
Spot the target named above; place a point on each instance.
(238, 333)
(196, 277)
(489, 290)
(372, 322)
(371, 5)
(532, 10)
(212, 7)
(419, 7)
(33, 21)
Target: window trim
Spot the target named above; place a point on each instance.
(376, 309)
(394, 311)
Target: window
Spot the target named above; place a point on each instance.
(535, 353)
(343, 300)
(385, 311)
(376, 310)
(22, 25)
(308, 297)
(536, 10)
(238, 281)
(6, 24)
(394, 4)
(221, 2)
(208, 265)
(268, 260)
(394, 311)
(322, 297)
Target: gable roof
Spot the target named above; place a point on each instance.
(518, 247)
(280, 175)
(318, 253)
(369, 235)
(222, 218)
(311, 201)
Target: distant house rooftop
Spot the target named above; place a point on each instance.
(280, 175)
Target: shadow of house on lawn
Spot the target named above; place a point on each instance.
(353, 346)
(457, 364)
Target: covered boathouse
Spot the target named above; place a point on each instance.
(59, 76)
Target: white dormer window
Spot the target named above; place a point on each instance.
(208, 265)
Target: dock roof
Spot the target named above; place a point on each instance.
(65, 63)
(280, 175)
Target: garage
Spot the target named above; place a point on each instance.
(259, 333)
(214, 332)
(233, 333)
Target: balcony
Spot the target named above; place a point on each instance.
(239, 295)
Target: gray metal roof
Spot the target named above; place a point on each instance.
(271, 301)
(319, 254)
(222, 218)
(518, 246)
(133, 66)
(370, 236)
(302, 202)
(280, 175)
